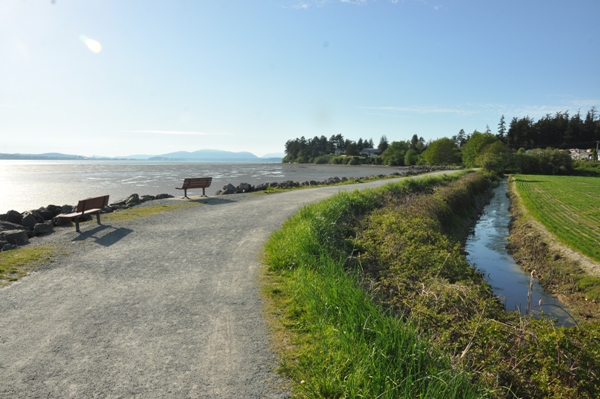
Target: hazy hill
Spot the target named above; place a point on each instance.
(209, 155)
(200, 155)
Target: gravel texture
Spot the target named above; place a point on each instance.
(166, 306)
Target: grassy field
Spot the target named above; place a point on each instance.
(567, 206)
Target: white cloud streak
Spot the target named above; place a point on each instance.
(423, 110)
(519, 111)
(175, 132)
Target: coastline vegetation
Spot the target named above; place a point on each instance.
(525, 146)
(371, 296)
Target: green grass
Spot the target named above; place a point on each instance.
(337, 343)
(567, 206)
(17, 263)
(371, 296)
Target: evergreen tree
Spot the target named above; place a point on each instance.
(460, 139)
(383, 144)
(414, 141)
(501, 129)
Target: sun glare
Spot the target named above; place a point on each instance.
(92, 44)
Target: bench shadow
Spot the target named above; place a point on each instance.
(107, 239)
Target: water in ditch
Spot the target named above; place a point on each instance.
(486, 249)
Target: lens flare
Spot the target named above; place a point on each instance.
(93, 45)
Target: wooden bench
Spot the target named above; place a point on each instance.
(87, 206)
(198, 182)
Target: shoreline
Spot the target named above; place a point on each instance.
(16, 228)
(32, 184)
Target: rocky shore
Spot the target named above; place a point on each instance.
(16, 228)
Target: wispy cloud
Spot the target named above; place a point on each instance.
(176, 132)
(300, 6)
(491, 109)
(422, 110)
(357, 2)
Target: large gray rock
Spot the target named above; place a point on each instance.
(29, 220)
(68, 209)
(133, 200)
(54, 209)
(9, 226)
(13, 216)
(261, 187)
(244, 188)
(229, 189)
(45, 213)
(162, 196)
(43, 228)
(17, 237)
(145, 198)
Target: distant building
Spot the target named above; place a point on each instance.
(582, 155)
(370, 152)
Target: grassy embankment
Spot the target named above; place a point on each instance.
(18, 263)
(371, 296)
(567, 207)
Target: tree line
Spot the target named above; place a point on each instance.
(333, 150)
(526, 146)
(560, 130)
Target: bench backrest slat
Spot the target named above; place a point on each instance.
(197, 182)
(92, 203)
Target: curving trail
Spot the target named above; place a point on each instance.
(166, 306)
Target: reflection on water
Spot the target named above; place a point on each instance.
(28, 185)
(486, 249)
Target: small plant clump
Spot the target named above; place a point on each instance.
(19, 262)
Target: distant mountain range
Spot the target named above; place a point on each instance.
(200, 155)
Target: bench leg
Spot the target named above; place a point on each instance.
(77, 225)
(203, 192)
(185, 193)
(98, 218)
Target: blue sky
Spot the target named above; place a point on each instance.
(115, 78)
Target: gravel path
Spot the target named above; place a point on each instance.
(162, 307)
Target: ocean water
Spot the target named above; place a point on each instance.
(26, 185)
